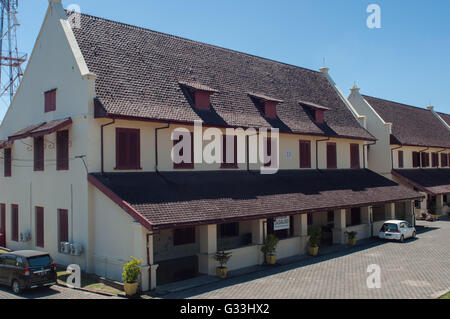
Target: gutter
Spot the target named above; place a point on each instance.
(317, 151)
(364, 152)
(101, 144)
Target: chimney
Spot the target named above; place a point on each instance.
(324, 70)
(431, 108)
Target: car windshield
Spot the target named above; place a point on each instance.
(39, 261)
(389, 228)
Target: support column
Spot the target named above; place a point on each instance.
(410, 217)
(439, 204)
(257, 231)
(208, 247)
(389, 211)
(340, 225)
(301, 230)
(366, 219)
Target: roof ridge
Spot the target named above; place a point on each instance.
(399, 103)
(198, 42)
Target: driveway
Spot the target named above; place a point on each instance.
(415, 269)
(55, 292)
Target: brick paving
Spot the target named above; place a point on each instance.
(416, 269)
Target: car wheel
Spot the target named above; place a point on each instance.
(16, 287)
(402, 239)
(414, 235)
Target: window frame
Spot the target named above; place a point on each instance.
(184, 236)
(332, 157)
(184, 165)
(14, 222)
(305, 160)
(63, 216)
(400, 159)
(62, 150)
(50, 101)
(224, 164)
(39, 226)
(39, 154)
(355, 158)
(127, 149)
(7, 155)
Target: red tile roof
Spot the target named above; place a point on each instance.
(411, 125)
(40, 129)
(173, 199)
(139, 71)
(432, 181)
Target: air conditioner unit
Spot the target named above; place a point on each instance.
(76, 249)
(25, 237)
(64, 247)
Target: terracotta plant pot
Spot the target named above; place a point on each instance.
(352, 241)
(271, 259)
(130, 288)
(222, 272)
(313, 251)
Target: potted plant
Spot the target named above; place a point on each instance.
(269, 249)
(222, 257)
(351, 235)
(315, 236)
(130, 275)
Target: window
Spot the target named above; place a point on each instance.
(331, 155)
(435, 159)
(14, 222)
(305, 154)
(416, 159)
(40, 227)
(62, 150)
(330, 216)
(39, 153)
(229, 160)
(63, 225)
(3, 224)
(355, 216)
(50, 101)
(183, 165)
(425, 159)
(183, 236)
(128, 148)
(400, 159)
(7, 161)
(354, 156)
(444, 160)
(229, 230)
(270, 147)
(310, 219)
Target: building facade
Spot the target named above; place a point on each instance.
(88, 146)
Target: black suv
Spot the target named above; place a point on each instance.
(27, 269)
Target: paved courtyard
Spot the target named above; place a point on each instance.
(416, 269)
(55, 292)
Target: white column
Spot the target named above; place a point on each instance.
(339, 226)
(141, 252)
(257, 227)
(439, 204)
(301, 230)
(208, 247)
(389, 211)
(365, 214)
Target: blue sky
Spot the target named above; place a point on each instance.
(407, 60)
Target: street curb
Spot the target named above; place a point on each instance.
(61, 284)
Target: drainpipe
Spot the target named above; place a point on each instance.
(392, 155)
(317, 151)
(156, 144)
(148, 262)
(101, 142)
(364, 152)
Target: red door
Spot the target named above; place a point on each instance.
(2, 225)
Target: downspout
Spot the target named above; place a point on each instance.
(364, 152)
(420, 159)
(392, 155)
(148, 262)
(101, 142)
(317, 151)
(156, 144)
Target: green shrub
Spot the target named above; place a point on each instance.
(131, 270)
(270, 245)
(351, 234)
(222, 257)
(315, 236)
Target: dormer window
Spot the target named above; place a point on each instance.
(199, 94)
(267, 104)
(316, 111)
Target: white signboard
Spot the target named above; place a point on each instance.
(281, 223)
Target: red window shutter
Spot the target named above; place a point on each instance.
(62, 150)
(270, 109)
(50, 101)
(400, 159)
(3, 225)
(184, 165)
(416, 159)
(224, 152)
(354, 156)
(63, 225)
(305, 154)
(319, 116)
(331, 155)
(128, 148)
(202, 100)
(8, 162)
(444, 160)
(39, 153)
(15, 222)
(40, 227)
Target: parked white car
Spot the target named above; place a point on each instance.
(397, 230)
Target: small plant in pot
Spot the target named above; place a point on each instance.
(269, 248)
(315, 236)
(130, 276)
(351, 235)
(222, 258)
